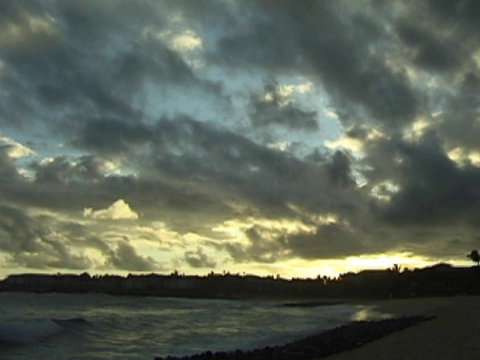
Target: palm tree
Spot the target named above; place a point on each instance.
(475, 256)
(396, 268)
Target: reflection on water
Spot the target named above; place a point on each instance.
(100, 326)
(369, 313)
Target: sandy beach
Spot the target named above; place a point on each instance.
(427, 328)
(453, 334)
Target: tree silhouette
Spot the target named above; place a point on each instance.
(396, 268)
(474, 256)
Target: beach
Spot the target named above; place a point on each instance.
(454, 333)
(427, 328)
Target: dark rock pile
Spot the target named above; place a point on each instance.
(324, 344)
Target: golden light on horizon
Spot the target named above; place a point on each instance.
(385, 261)
(336, 267)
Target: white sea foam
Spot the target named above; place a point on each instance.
(99, 326)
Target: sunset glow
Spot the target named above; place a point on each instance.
(312, 138)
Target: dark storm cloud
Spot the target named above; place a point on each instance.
(272, 111)
(237, 167)
(59, 256)
(329, 241)
(47, 68)
(380, 161)
(111, 136)
(76, 66)
(313, 37)
(198, 259)
(153, 61)
(191, 171)
(8, 169)
(432, 199)
(63, 170)
(464, 13)
(432, 53)
(431, 190)
(339, 170)
(19, 231)
(81, 236)
(14, 10)
(459, 123)
(103, 80)
(260, 248)
(49, 261)
(125, 257)
(70, 184)
(439, 35)
(29, 242)
(32, 241)
(354, 74)
(64, 183)
(121, 18)
(434, 189)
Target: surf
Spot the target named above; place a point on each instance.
(22, 332)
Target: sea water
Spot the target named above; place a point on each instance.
(99, 326)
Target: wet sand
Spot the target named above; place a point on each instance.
(454, 333)
(428, 328)
(311, 347)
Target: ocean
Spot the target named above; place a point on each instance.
(100, 326)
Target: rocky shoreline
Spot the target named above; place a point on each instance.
(324, 344)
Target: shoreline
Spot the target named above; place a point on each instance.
(452, 334)
(424, 328)
(324, 344)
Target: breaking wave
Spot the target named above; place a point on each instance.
(21, 332)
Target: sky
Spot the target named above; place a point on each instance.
(298, 138)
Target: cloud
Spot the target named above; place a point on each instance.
(8, 169)
(65, 170)
(465, 13)
(261, 247)
(119, 210)
(429, 51)
(19, 231)
(433, 189)
(339, 170)
(111, 136)
(322, 44)
(204, 113)
(43, 242)
(459, 123)
(328, 241)
(14, 149)
(56, 256)
(30, 242)
(75, 84)
(198, 259)
(125, 257)
(275, 107)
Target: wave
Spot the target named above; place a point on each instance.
(21, 332)
(71, 322)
